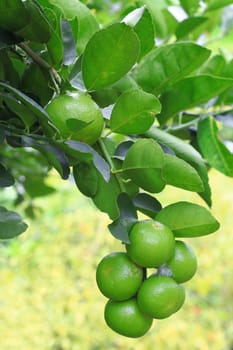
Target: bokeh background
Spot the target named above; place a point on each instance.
(49, 299)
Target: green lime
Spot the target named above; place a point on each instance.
(125, 318)
(183, 265)
(76, 116)
(118, 277)
(160, 296)
(151, 243)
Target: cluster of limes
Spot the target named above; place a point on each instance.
(135, 299)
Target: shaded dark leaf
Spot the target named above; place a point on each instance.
(6, 179)
(11, 224)
(8, 39)
(147, 204)
(54, 155)
(128, 216)
(83, 152)
(86, 178)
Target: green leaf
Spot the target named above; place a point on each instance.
(6, 179)
(147, 204)
(8, 70)
(86, 178)
(214, 151)
(186, 152)
(164, 22)
(38, 27)
(133, 17)
(189, 93)
(34, 107)
(55, 45)
(190, 6)
(104, 59)
(82, 21)
(216, 4)
(13, 15)
(165, 65)
(41, 91)
(76, 125)
(82, 152)
(133, 112)
(128, 216)
(2, 135)
(141, 20)
(7, 39)
(143, 164)
(146, 33)
(188, 25)
(106, 196)
(177, 172)
(108, 96)
(53, 153)
(19, 109)
(215, 66)
(11, 224)
(36, 187)
(186, 219)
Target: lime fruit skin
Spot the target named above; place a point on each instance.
(125, 318)
(160, 296)
(151, 243)
(183, 265)
(76, 116)
(118, 277)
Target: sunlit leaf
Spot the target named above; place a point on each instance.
(165, 65)
(186, 152)
(177, 172)
(214, 151)
(134, 112)
(187, 219)
(191, 92)
(109, 55)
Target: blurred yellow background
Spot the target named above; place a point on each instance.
(49, 299)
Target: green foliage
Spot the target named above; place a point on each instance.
(212, 148)
(111, 43)
(167, 64)
(163, 102)
(188, 219)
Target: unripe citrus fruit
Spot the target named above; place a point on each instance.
(151, 243)
(118, 277)
(183, 265)
(125, 318)
(76, 116)
(160, 296)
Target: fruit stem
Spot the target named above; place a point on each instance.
(110, 162)
(55, 77)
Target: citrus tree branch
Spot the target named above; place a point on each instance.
(55, 77)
